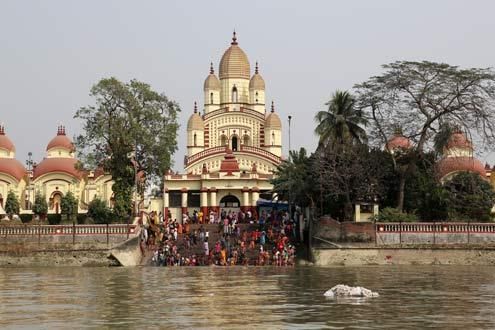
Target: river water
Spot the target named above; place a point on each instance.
(411, 297)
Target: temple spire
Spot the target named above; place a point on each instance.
(212, 71)
(256, 68)
(234, 39)
(273, 106)
(195, 107)
(2, 129)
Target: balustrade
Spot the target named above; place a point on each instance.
(437, 227)
(81, 230)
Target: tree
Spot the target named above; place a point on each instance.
(470, 197)
(341, 122)
(421, 96)
(99, 212)
(130, 131)
(69, 206)
(295, 177)
(11, 204)
(40, 206)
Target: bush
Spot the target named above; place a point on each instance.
(99, 212)
(390, 214)
(54, 219)
(81, 218)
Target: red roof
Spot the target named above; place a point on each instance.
(5, 142)
(12, 167)
(449, 165)
(459, 140)
(61, 140)
(229, 163)
(64, 165)
(398, 141)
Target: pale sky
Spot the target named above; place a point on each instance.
(52, 52)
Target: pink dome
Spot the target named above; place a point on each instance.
(459, 140)
(61, 141)
(398, 141)
(12, 167)
(449, 165)
(64, 165)
(5, 142)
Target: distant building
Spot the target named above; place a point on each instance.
(53, 177)
(233, 145)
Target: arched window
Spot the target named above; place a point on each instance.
(195, 139)
(246, 140)
(273, 138)
(234, 95)
(211, 98)
(223, 140)
(256, 97)
(234, 143)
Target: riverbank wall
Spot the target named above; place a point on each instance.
(79, 245)
(403, 256)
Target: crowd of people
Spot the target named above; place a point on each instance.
(241, 238)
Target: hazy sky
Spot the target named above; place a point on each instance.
(52, 52)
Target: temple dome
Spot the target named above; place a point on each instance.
(61, 141)
(449, 165)
(5, 142)
(195, 122)
(12, 167)
(63, 165)
(211, 82)
(398, 141)
(256, 81)
(459, 140)
(234, 62)
(273, 120)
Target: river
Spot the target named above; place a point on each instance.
(411, 297)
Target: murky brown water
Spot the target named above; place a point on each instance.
(412, 297)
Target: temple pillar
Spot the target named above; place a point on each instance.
(184, 201)
(245, 200)
(166, 204)
(255, 195)
(203, 203)
(213, 200)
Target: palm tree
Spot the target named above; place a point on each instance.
(341, 123)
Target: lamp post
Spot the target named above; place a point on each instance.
(290, 159)
(29, 163)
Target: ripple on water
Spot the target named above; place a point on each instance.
(411, 297)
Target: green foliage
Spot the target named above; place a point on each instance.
(390, 214)
(99, 212)
(295, 177)
(68, 205)
(12, 204)
(341, 123)
(40, 206)
(470, 197)
(132, 129)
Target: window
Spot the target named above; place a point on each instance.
(273, 138)
(234, 95)
(246, 140)
(223, 140)
(234, 143)
(175, 199)
(193, 199)
(195, 138)
(211, 98)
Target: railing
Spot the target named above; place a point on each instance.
(244, 149)
(435, 227)
(205, 153)
(77, 230)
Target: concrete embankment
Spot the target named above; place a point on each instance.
(127, 253)
(403, 256)
(49, 258)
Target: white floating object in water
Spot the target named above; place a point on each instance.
(341, 290)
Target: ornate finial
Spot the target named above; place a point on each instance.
(195, 107)
(273, 106)
(212, 71)
(234, 39)
(256, 68)
(2, 129)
